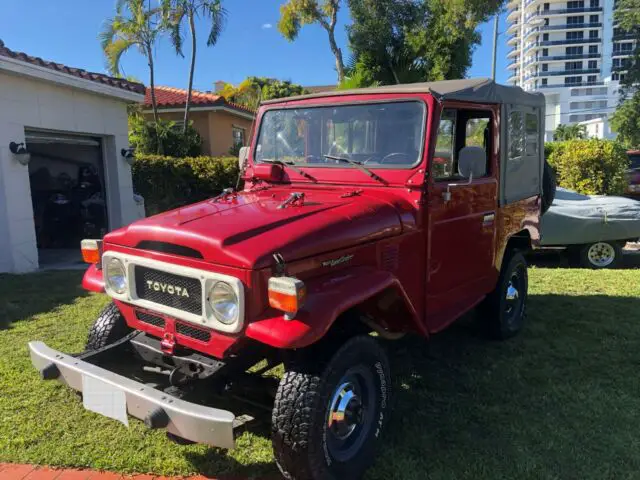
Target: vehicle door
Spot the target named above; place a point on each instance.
(461, 215)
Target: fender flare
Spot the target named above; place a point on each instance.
(93, 280)
(327, 298)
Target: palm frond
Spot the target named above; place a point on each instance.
(113, 53)
(217, 15)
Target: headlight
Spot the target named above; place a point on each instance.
(224, 302)
(116, 276)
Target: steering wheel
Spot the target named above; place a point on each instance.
(396, 158)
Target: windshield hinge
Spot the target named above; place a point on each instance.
(296, 198)
(353, 193)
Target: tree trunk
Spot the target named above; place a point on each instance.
(192, 26)
(154, 105)
(338, 54)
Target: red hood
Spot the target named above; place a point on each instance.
(247, 230)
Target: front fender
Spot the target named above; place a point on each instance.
(93, 280)
(327, 298)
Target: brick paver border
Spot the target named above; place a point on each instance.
(11, 471)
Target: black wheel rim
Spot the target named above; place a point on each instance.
(514, 297)
(350, 413)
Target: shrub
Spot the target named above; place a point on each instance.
(175, 143)
(592, 167)
(169, 182)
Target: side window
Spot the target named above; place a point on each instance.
(443, 159)
(516, 135)
(459, 129)
(531, 129)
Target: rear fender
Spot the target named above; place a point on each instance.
(93, 280)
(327, 299)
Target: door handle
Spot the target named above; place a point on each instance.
(488, 219)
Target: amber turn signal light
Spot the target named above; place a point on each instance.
(91, 251)
(287, 294)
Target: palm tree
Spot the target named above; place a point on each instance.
(177, 11)
(570, 132)
(134, 25)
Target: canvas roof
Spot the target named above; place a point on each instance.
(478, 90)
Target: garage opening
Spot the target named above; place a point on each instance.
(66, 174)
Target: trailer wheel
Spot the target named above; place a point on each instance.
(503, 311)
(109, 327)
(598, 255)
(328, 416)
(549, 186)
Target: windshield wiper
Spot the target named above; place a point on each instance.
(359, 166)
(292, 166)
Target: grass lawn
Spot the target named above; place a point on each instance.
(560, 401)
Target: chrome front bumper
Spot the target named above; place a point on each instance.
(157, 409)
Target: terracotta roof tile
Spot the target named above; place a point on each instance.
(76, 72)
(167, 97)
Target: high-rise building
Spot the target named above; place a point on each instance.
(573, 52)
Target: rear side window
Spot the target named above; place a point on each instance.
(516, 135)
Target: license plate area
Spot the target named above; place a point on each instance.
(103, 398)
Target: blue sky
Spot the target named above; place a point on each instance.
(66, 31)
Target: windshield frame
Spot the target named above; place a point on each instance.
(330, 104)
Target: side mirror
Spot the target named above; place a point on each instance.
(242, 157)
(472, 162)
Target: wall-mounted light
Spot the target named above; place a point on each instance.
(128, 154)
(21, 153)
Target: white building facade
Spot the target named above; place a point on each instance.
(573, 52)
(65, 121)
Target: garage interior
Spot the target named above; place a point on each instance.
(66, 175)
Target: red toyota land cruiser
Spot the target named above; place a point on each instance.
(387, 210)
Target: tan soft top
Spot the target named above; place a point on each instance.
(478, 90)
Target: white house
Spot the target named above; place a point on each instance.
(62, 172)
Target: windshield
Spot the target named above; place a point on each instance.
(376, 135)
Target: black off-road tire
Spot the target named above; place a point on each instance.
(108, 328)
(302, 440)
(495, 314)
(549, 186)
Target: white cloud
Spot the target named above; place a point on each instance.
(266, 26)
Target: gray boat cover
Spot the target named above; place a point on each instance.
(578, 219)
(478, 90)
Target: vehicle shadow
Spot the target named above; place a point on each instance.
(23, 296)
(558, 259)
(468, 407)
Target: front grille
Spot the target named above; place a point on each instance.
(193, 332)
(182, 293)
(150, 319)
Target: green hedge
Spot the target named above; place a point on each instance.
(168, 182)
(592, 167)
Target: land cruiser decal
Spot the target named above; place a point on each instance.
(337, 261)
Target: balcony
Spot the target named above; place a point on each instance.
(620, 68)
(563, 11)
(513, 52)
(514, 64)
(576, 41)
(558, 73)
(582, 84)
(551, 58)
(622, 53)
(570, 26)
(624, 36)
